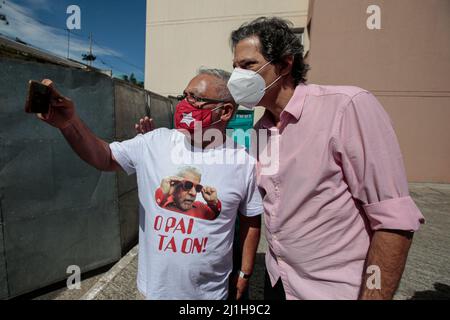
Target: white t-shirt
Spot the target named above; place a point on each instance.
(185, 245)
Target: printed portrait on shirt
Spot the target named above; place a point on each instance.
(181, 193)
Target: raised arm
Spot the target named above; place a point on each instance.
(90, 148)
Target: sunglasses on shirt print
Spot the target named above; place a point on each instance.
(188, 185)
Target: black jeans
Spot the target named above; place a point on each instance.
(273, 293)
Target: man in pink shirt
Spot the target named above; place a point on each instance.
(338, 214)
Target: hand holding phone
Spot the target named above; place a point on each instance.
(38, 100)
(49, 105)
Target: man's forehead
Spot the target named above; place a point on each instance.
(201, 84)
(247, 49)
(197, 85)
(189, 176)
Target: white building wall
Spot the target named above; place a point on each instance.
(184, 35)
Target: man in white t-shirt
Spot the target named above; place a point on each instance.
(190, 192)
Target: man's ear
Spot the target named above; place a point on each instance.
(285, 66)
(228, 112)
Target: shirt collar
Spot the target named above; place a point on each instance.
(293, 108)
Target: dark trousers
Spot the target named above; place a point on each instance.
(273, 293)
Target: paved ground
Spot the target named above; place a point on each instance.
(60, 292)
(427, 275)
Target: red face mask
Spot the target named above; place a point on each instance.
(186, 115)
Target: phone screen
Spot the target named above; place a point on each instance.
(38, 100)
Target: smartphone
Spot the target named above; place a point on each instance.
(38, 100)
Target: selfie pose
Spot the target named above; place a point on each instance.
(185, 244)
(337, 210)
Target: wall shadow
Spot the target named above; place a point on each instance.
(441, 292)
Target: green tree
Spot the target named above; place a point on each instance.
(133, 79)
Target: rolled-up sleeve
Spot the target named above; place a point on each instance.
(373, 167)
(394, 214)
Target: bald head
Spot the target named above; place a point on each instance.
(211, 83)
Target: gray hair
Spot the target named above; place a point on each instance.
(182, 172)
(223, 78)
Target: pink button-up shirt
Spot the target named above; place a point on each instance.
(340, 177)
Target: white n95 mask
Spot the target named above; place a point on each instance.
(248, 87)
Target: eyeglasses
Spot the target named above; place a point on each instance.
(193, 99)
(188, 185)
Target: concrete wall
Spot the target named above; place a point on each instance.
(406, 65)
(3, 279)
(130, 105)
(184, 35)
(161, 109)
(55, 210)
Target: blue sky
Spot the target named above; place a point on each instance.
(118, 29)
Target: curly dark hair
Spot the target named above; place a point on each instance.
(277, 42)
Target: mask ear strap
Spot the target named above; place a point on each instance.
(217, 108)
(218, 121)
(278, 79)
(273, 83)
(264, 66)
